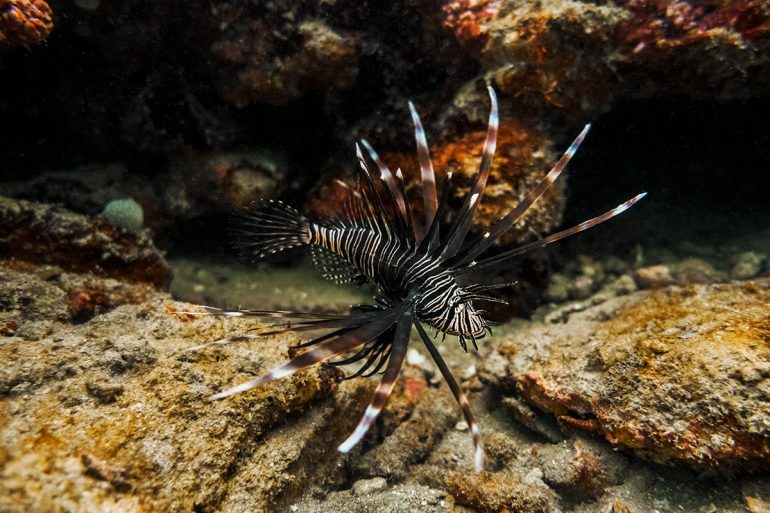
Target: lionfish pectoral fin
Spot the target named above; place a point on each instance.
(465, 406)
(345, 339)
(335, 268)
(384, 389)
(585, 225)
(507, 222)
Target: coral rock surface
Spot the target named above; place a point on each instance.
(677, 375)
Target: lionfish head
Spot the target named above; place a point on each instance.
(464, 320)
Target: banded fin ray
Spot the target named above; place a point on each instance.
(427, 174)
(283, 314)
(431, 239)
(327, 349)
(585, 225)
(507, 222)
(465, 406)
(312, 324)
(396, 192)
(379, 218)
(465, 215)
(385, 388)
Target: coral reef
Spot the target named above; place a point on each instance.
(714, 48)
(115, 408)
(642, 381)
(269, 56)
(553, 55)
(24, 22)
(675, 375)
(468, 19)
(577, 57)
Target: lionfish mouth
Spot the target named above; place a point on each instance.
(380, 240)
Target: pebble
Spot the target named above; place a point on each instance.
(556, 292)
(747, 265)
(368, 486)
(653, 277)
(580, 287)
(696, 270)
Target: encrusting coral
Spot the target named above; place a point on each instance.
(24, 22)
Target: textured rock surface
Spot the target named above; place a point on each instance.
(398, 499)
(30, 294)
(676, 375)
(578, 56)
(112, 414)
(45, 234)
(267, 55)
(223, 183)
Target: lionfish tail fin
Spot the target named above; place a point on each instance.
(271, 226)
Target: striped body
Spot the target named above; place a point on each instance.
(401, 271)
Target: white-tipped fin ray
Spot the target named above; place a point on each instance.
(430, 198)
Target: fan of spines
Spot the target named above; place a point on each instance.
(378, 336)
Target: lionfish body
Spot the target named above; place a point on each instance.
(412, 263)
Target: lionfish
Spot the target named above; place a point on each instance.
(413, 265)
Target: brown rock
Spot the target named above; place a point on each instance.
(653, 277)
(223, 183)
(678, 375)
(45, 234)
(580, 468)
(695, 270)
(413, 440)
(272, 54)
(113, 414)
(490, 492)
(576, 57)
(756, 494)
(399, 499)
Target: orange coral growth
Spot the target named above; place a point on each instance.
(467, 18)
(24, 22)
(555, 57)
